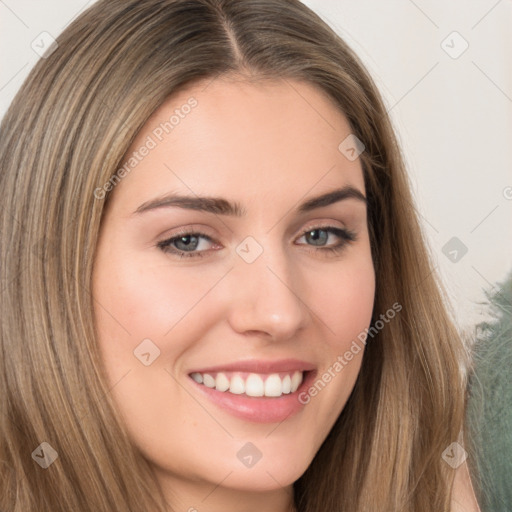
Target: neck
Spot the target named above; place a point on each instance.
(202, 496)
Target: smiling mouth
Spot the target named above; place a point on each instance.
(273, 384)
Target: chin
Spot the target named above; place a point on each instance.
(265, 478)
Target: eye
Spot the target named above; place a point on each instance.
(319, 237)
(196, 244)
(186, 244)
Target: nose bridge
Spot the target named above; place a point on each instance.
(266, 297)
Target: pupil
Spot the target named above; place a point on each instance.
(317, 237)
(188, 241)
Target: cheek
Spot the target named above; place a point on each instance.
(344, 299)
(172, 305)
(344, 309)
(137, 300)
(178, 307)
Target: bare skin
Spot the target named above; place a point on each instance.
(463, 497)
(269, 147)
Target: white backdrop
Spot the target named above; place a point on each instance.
(445, 70)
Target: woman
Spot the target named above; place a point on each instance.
(216, 294)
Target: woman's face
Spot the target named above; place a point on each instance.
(226, 276)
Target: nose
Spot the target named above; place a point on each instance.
(267, 297)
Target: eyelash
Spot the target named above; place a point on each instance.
(346, 236)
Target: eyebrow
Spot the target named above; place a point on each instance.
(221, 206)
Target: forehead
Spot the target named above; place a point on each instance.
(256, 138)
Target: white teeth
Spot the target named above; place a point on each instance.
(287, 384)
(237, 385)
(254, 384)
(197, 377)
(221, 382)
(208, 381)
(273, 386)
(296, 381)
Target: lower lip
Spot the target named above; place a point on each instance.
(259, 409)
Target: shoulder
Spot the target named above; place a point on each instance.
(463, 495)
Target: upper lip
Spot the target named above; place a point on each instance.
(259, 366)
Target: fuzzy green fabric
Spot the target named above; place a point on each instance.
(489, 413)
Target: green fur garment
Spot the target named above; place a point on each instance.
(489, 413)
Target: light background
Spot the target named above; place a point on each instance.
(453, 115)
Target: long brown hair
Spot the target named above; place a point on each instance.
(65, 134)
